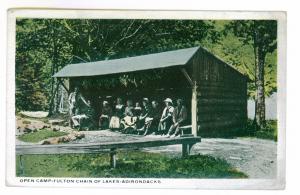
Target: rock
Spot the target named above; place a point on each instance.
(29, 129)
(57, 122)
(36, 114)
(63, 139)
(235, 158)
(55, 128)
(46, 126)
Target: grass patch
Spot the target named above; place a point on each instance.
(268, 132)
(130, 164)
(40, 135)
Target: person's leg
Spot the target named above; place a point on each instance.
(147, 128)
(177, 130)
(171, 130)
(75, 121)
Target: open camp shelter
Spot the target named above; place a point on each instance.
(215, 92)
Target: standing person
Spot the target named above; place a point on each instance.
(105, 115)
(118, 115)
(152, 120)
(76, 100)
(166, 117)
(179, 118)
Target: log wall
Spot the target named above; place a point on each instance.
(221, 94)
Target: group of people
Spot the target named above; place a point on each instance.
(146, 118)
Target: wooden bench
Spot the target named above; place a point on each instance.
(110, 147)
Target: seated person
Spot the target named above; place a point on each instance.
(166, 117)
(179, 118)
(152, 120)
(118, 115)
(87, 113)
(129, 121)
(105, 115)
(144, 113)
(137, 109)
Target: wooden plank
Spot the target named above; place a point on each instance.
(187, 76)
(100, 147)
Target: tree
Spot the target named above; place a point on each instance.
(46, 45)
(262, 35)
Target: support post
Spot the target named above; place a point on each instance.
(113, 158)
(21, 164)
(185, 150)
(194, 110)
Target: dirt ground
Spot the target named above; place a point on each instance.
(255, 157)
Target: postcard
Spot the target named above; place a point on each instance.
(146, 99)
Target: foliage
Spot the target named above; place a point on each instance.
(40, 135)
(237, 49)
(268, 132)
(44, 46)
(130, 164)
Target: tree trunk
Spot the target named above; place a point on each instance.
(260, 119)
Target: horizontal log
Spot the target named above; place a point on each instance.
(206, 109)
(218, 94)
(221, 124)
(100, 147)
(219, 101)
(220, 117)
(231, 90)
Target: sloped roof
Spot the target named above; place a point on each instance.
(130, 64)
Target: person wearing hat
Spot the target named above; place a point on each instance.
(105, 115)
(179, 118)
(166, 117)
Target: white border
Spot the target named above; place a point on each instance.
(278, 183)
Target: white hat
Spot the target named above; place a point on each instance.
(146, 99)
(168, 100)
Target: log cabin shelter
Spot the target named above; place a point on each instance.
(215, 93)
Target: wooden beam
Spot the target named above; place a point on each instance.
(62, 83)
(100, 147)
(187, 76)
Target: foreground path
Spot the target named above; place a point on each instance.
(255, 157)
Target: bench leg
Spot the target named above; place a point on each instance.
(21, 164)
(185, 150)
(113, 158)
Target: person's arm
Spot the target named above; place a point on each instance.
(174, 117)
(70, 99)
(84, 101)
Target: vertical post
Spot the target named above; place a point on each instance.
(185, 150)
(194, 110)
(113, 159)
(21, 164)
